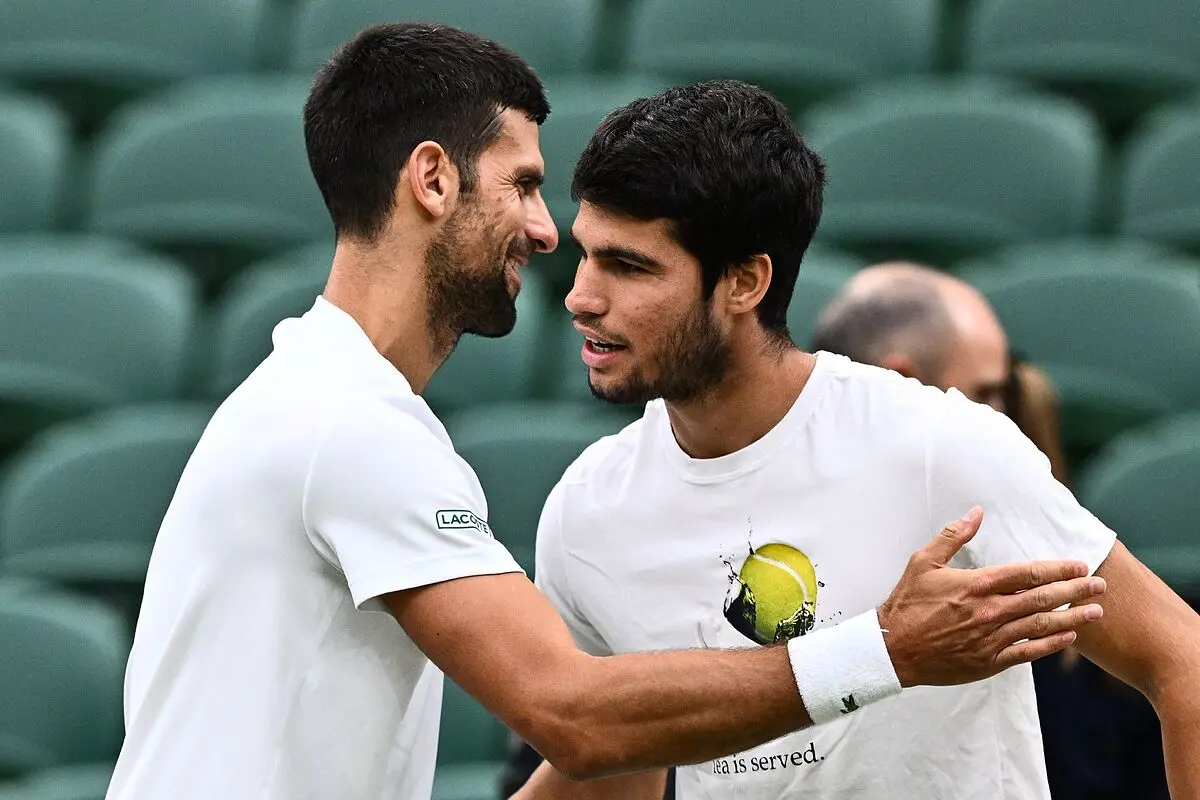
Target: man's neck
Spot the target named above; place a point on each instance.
(383, 288)
(758, 391)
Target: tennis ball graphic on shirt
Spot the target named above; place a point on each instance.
(774, 596)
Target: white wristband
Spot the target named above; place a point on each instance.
(842, 668)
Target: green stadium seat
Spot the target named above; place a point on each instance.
(35, 248)
(579, 104)
(82, 503)
(1143, 486)
(256, 301)
(464, 781)
(482, 370)
(554, 36)
(70, 782)
(125, 322)
(1119, 57)
(471, 749)
(1161, 193)
(34, 145)
(60, 682)
(799, 49)
(215, 168)
(19, 586)
(822, 274)
(94, 54)
(937, 170)
(1121, 343)
(566, 373)
(1083, 253)
(519, 451)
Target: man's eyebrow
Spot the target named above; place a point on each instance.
(617, 252)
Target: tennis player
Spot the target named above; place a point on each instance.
(771, 495)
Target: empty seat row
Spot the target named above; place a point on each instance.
(90, 323)
(1123, 56)
(219, 167)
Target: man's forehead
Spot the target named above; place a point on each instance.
(519, 135)
(596, 226)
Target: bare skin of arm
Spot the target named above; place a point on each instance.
(547, 783)
(1150, 639)
(502, 641)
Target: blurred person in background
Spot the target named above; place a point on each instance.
(1102, 738)
(927, 325)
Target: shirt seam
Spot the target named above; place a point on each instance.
(497, 562)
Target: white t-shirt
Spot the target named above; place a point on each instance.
(265, 666)
(639, 546)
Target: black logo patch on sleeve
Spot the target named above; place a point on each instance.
(453, 520)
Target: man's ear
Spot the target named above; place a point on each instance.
(744, 285)
(432, 179)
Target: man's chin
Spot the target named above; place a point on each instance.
(494, 327)
(619, 394)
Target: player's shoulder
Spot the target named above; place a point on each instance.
(387, 421)
(609, 455)
(887, 408)
(865, 394)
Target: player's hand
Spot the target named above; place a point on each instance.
(947, 626)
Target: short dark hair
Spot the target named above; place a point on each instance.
(907, 316)
(394, 86)
(723, 163)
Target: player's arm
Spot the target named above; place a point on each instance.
(1148, 636)
(547, 783)
(501, 640)
(402, 517)
(1150, 639)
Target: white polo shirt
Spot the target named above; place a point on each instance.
(641, 547)
(265, 666)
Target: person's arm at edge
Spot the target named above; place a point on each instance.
(1150, 639)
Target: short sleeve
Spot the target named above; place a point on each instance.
(550, 576)
(393, 507)
(977, 456)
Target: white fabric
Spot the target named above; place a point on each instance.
(841, 668)
(265, 666)
(639, 546)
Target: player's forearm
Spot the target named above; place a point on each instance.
(1178, 708)
(645, 710)
(1181, 749)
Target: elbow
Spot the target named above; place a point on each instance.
(576, 744)
(580, 758)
